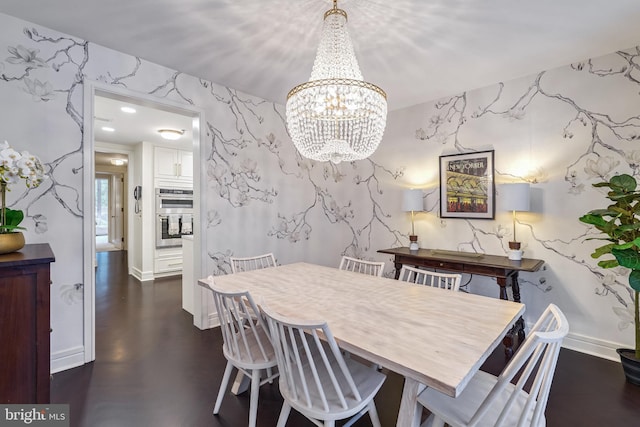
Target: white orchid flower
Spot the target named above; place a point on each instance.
(8, 157)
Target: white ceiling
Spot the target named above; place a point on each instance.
(143, 125)
(416, 50)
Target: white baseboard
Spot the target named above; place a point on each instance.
(143, 276)
(167, 274)
(214, 320)
(592, 346)
(67, 359)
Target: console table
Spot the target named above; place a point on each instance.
(502, 268)
(24, 325)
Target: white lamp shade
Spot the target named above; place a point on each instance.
(515, 197)
(412, 200)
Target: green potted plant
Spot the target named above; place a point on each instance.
(620, 222)
(13, 167)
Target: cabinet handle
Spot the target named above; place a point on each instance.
(441, 264)
(179, 169)
(50, 330)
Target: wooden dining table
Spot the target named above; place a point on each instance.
(433, 337)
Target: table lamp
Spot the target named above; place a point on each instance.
(515, 197)
(412, 202)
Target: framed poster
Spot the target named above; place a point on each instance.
(467, 189)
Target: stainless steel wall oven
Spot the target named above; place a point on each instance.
(174, 216)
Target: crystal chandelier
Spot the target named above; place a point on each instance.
(336, 115)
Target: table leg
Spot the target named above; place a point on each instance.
(240, 384)
(409, 413)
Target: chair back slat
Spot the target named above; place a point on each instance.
(258, 262)
(244, 333)
(372, 268)
(307, 353)
(540, 350)
(430, 278)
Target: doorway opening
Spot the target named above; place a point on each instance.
(110, 211)
(104, 134)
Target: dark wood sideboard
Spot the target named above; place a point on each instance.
(502, 268)
(25, 325)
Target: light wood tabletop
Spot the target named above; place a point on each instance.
(433, 337)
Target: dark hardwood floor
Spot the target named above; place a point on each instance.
(154, 368)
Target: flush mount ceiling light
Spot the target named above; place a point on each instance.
(336, 115)
(108, 129)
(129, 110)
(117, 162)
(171, 134)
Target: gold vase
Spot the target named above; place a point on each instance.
(11, 242)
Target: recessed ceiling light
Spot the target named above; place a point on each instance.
(129, 110)
(108, 129)
(171, 134)
(117, 162)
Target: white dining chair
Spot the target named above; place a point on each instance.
(239, 264)
(246, 344)
(494, 401)
(371, 268)
(430, 278)
(315, 379)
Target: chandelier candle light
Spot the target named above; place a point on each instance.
(336, 115)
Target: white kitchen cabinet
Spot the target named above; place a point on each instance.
(173, 165)
(167, 262)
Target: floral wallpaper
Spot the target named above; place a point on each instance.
(561, 130)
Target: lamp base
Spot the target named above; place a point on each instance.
(515, 255)
(413, 245)
(515, 245)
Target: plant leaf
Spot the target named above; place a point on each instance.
(634, 280)
(624, 245)
(610, 263)
(606, 249)
(601, 184)
(592, 219)
(629, 227)
(14, 217)
(624, 182)
(629, 258)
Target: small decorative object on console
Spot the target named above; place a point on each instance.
(15, 166)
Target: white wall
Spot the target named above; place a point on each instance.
(261, 196)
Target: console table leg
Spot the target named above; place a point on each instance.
(507, 341)
(519, 326)
(502, 282)
(398, 266)
(515, 286)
